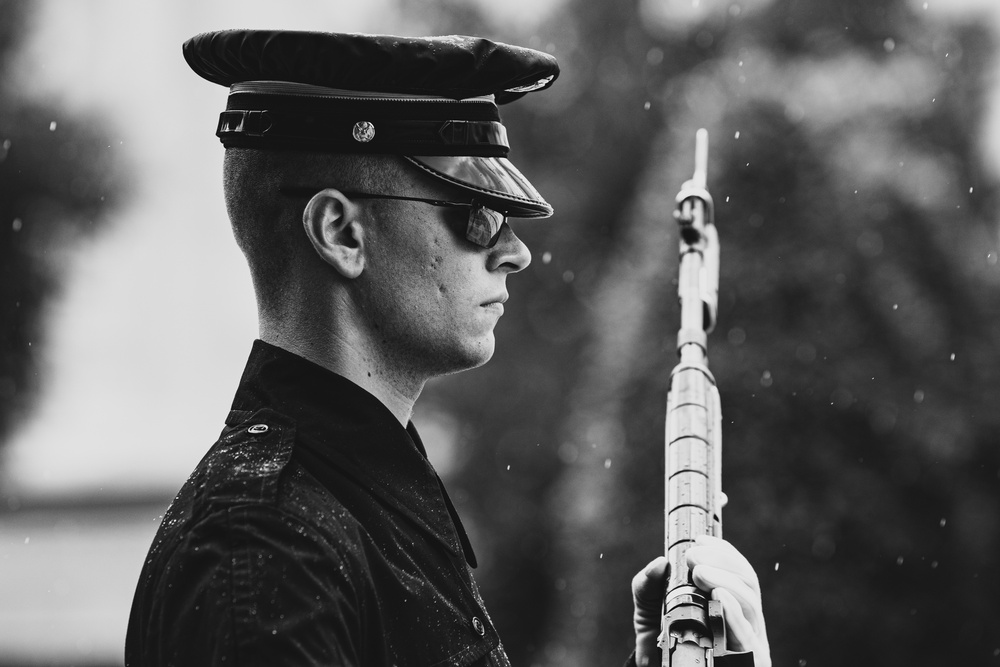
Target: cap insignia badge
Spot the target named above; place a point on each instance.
(363, 131)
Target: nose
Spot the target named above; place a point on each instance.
(509, 254)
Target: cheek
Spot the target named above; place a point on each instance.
(426, 274)
(435, 274)
(444, 273)
(407, 259)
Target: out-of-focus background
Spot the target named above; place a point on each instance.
(854, 168)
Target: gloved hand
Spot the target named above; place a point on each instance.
(716, 567)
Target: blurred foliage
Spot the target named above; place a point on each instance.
(57, 178)
(858, 350)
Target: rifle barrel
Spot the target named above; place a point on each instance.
(691, 627)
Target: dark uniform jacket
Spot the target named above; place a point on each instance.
(314, 532)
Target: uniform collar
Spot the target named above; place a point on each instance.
(347, 428)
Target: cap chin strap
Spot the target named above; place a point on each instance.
(337, 133)
(310, 90)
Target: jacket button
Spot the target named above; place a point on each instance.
(257, 428)
(478, 626)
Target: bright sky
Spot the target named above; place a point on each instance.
(988, 11)
(152, 332)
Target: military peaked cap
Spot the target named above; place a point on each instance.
(433, 100)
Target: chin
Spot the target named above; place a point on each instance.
(471, 357)
(488, 348)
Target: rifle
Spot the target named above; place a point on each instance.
(693, 628)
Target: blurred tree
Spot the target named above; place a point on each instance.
(858, 351)
(859, 280)
(57, 177)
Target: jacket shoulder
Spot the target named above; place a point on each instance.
(246, 463)
(252, 465)
(240, 555)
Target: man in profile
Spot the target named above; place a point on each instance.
(367, 184)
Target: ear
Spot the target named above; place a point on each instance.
(331, 222)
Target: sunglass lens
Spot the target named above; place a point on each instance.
(484, 226)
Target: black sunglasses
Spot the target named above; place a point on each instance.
(483, 228)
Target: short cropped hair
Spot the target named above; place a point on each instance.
(267, 224)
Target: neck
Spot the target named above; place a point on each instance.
(349, 358)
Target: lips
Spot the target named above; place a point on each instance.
(494, 308)
(497, 301)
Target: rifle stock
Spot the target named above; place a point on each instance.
(693, 628)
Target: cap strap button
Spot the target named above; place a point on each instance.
(257, 428)
(478, 626)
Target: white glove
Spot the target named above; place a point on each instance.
(716, 567)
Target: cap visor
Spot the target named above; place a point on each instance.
(494, 179)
